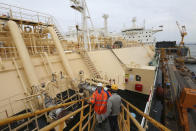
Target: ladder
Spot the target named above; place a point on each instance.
(60, 36)
(90, 65)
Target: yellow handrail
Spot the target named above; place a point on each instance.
(60, 121)
(154, 122)
(82, 119)
(124, 121)
(26, 115)
(132, 118)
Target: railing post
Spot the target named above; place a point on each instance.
(89, 124)
(81, 116)
(120, 122)
(123, 118)
(94, 120)
(61, 126)
(128, 119)
(7, 117)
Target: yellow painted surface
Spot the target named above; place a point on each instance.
(108, 66)
(11, 88)
(77, 64)
(147, 79)
(135, 56)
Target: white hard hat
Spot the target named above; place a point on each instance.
(100, 84)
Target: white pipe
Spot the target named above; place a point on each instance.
(49, 63)
(62, 54)
(20, 77)
(23, 53)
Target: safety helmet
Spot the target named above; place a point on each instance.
(114, 87)
(100, 85)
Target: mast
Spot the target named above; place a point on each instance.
(105, 17)
(84, 25)
(134, 22)
(80, 5)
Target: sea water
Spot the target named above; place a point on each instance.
(192, 48)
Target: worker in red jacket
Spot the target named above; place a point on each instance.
(99, 99)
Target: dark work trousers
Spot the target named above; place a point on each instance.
(113, 123)
(104, 126)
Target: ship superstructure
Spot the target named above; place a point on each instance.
(140, 34)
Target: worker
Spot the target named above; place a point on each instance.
(160, 93)
(99, 99)
(113, 108)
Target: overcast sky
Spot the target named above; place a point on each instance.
(155, 13)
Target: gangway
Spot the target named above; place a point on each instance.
(87, 118)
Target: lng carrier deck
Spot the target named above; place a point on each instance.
(41, 74)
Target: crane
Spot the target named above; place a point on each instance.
(81, 6)
(183, 32)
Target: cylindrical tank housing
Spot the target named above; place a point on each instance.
(23, 53)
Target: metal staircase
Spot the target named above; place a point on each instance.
(59, 34)
(90, 65)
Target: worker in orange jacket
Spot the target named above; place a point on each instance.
(99, 99)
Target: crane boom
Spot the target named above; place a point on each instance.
(183, 32)
(178, 25)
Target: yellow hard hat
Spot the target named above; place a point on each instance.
(114, 87)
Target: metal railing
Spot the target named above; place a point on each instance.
(9, 102)
(37, 114)
(125, 120)
(18, 13)
(7, 53)
(80, 125)
(15, 12)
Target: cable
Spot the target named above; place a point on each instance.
(89, 15)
